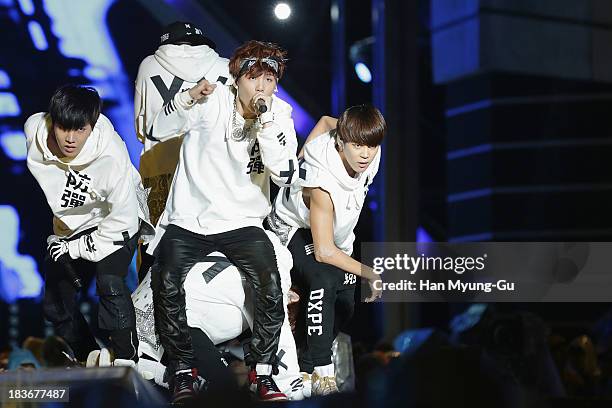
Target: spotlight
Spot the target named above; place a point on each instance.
(282, 11)
(360, 54)
(363, 72)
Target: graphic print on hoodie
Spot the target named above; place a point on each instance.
(98, 188)
(173, 68)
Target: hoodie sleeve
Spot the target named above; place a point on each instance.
(147, 104)
(139, 110)
(176, 117)
(31, 127)
(278, 144)
(118, 226)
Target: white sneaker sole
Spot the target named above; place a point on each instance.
(105, 358)
(92, 358)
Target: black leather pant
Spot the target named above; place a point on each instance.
(250, 250)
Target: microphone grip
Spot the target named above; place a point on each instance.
(261, 106)
(68, 267)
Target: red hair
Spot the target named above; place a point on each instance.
(259, 50)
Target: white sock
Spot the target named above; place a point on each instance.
(325, 371)
(263, 369)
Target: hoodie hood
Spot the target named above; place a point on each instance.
(191, 63)
(95, 144)
(321, 154)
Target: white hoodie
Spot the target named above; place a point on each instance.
(322, 167)
(173, 68)
(221, 183)
(98, 188)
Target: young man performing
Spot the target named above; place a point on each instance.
(316, 222)
(184, 57)
(218, 200)
(84, 170)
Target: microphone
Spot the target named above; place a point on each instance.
(261, 105)
(68, 268)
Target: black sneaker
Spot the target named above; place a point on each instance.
(186, 385)
(57, 353)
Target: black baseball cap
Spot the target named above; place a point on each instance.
(184, 31)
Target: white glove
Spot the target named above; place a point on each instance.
(56, 247)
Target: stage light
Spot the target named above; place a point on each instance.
(360, 55)
(9, 105)
(282, 11)
(5, 81)
(363, 72)
(38, 36)
(423, 235)
(27, 7)
(13, 145)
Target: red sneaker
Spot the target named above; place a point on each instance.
(186, 385)
(264, 387)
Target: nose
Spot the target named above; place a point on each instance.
(259, 86)
(365, 152)
(70, 138)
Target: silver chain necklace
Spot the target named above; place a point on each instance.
(240, 133)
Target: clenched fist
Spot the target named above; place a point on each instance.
(202, 89)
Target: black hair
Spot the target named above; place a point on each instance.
(74, 106)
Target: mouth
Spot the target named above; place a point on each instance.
(69, 149)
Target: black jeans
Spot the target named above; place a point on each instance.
(250, 250)
(116, 314)
(327, 302)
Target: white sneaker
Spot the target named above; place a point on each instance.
(104, 359)
(307, 383)
(152, 370)
(92, 358)
(120, 362)
(323, 385)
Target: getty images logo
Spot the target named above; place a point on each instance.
(411, 264)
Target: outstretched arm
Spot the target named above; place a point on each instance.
(325, 124)
(174, 118)
(325, 249)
